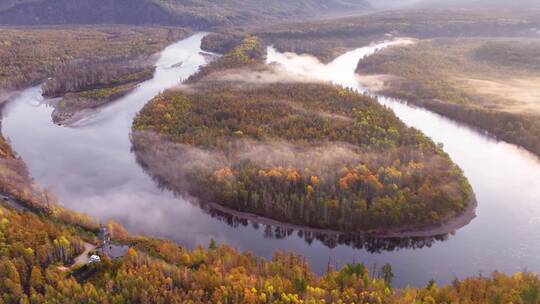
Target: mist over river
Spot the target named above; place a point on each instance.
(92, 169)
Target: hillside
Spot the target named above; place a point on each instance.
(328, 38)
(194, 14)
(462, 4)
(501, 4)
(36, 250)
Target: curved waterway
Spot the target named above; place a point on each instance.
(92, 169)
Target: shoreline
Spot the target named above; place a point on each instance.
(7, 96)
(448, 227)
(73, 112)
(384, 85)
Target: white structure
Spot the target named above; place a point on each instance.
(94, 259)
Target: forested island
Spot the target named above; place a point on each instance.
(86, 85)
(297, 151)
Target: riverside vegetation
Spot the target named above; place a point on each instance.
(87, 66)
(301, 152)
(488, 83)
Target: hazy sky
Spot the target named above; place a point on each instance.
(455, 3)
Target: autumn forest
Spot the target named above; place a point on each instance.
(321, 144)
(302, 151)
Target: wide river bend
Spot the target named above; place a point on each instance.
(92, 169)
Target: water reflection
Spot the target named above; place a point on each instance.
(330, 240)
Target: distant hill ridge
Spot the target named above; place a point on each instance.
(199, 14)
(519, 4)
(463, 4)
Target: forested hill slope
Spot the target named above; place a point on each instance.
(198, 14)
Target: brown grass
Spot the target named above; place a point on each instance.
(518, 95)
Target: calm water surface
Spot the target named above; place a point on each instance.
(92, 169)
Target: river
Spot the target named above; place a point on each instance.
(92, 169)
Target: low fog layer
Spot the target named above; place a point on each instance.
(174, 163)
(390, 4)
(267, 75)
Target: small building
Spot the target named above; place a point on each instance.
(94, 259)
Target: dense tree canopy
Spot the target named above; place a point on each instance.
(31, 55)
(305, 153)
(34, 250)
(249, 51)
